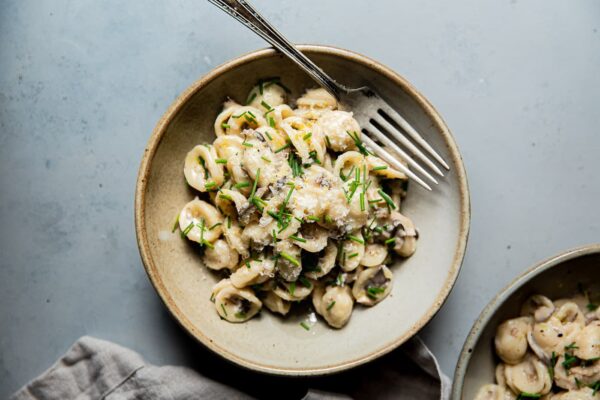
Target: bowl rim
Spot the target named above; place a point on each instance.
(143, 243)
(502, 296)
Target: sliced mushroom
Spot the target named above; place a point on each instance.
(220, 256)
(573, 375)
(276, 304)
(289, 262)
(252, 272)
(539, 307)
(294, 291)
(312, 238)
(197, 217)
(375, 254)
(588, 342)
(324, 264)
(353, 249)
(236, 305)
(200, 168)
(511, 339)
(530, 376)
(336, 305)
(372, 285)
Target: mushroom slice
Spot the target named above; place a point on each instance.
(289, 263)
(335, 126)
(196, 218)
(511, 339)
(572, 376)
(491, 392)
(276, 304)
(336, 305)
(236, 305)
(233, 234)
(220, 256)
(294, 291)
(311, 238)
(353, 249)
(529, 376)
(588, 342)
(372, 285)
(539, 307)
(252, 272)
(324, 264)
(375, 254)
(200, 168)
(406, 235)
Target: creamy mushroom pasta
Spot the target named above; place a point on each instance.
(550, 352)
(294, 207)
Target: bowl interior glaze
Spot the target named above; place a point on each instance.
(268, 343)
(555, 278)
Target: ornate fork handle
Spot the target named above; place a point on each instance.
(242, 11)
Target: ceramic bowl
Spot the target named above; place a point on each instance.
(559, 276)
(269, 343)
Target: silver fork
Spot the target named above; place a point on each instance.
(370, 110)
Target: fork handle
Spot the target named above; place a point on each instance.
(242, 11)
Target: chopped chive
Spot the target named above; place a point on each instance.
(390, 241)
(305, 282)
(340, 280)
(380, 168)
(328, 219)
(285, 146)
(372, 292)
(225, 126)
(238, 116)
(292, 288)
(201, 160)
(572, 346)
(355, 239)
(248, 117)
(313, 218)
(592, 306)
(352, 255)
(330, 306)
(305, 325)
(221, 161)
(251, 114)
(214, 226)
(208, 244)
(298, 239)
(269, 135)
(290, 258)
(251, 98)
(359, 144)
(247, 144)
(175, 224)
(387, 199)
(188, 228)
(376, 201)
(265, 105)
(228, 222)
(551, 365)
(328, 145)
(223, 308)
(201, 226)
(265, 159)
(271, 123)
(307, 136)
(248, 264)
(255, 183)
(226, 197)
(260, 86)
(362, 201)
(209, 185)
(241, 185)
(240, 315)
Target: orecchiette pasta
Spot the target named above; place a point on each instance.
(293, 207)
(551, 352)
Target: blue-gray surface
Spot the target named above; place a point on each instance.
(82, 84)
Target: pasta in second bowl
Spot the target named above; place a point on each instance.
(276, 189)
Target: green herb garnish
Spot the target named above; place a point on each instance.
(266, 105)
(359, 144)
(285, 146)
(356, 239)
(224, 310)
(374, 291)
(241, 185)
(298, 239)
(387, 199)
(380, 168)
(175, 224)
(305, 325)
(290, 258)
(250, 98)
(265, 159)
(330, 306)
(188, 229)
(307, 136)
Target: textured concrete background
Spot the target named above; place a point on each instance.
(82, 84)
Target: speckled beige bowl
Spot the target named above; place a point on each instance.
(556, 277)
(269, 343)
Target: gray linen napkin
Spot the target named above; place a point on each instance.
(97, 369)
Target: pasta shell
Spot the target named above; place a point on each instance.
(201, 168)
(511, 339)
(588, 342)
(221, 126)
(335, 126)
(374, 255)
(405, 235)
(315, 102)
(372, 285)
(352, 251)
(325, 262)
(276, 304)
(289, 264)
(529, 376)
(236, 305)
(336, 305)
(199, 214)
(294, 291)
(220, 256)
(233, 234)
(314, 238)
(539, 307)
(269, 94)
(252, 272)
(245, 117)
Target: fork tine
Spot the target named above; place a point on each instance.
(403, 140)
(388, 143)
(386, 157)
(411, 132)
